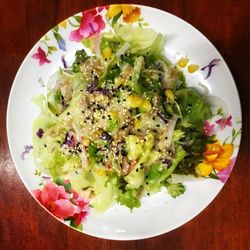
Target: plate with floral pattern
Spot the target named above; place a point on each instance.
(204, 69)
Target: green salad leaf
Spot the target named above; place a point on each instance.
(119, 122)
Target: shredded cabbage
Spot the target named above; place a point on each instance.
(110, 128)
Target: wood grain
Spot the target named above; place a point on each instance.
(224, 224)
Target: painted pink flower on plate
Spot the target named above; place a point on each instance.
(100, 9)
(82, 209)
(208, 129)
(223, 122)
(55, 199)
(225, 173)
(91, 23)
(41, 56)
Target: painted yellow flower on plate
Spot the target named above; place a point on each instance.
(130, 13)
(216, 156)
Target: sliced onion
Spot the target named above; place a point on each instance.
(170, 130)
(84, 157)
(185, 178)
(205, 88)
(123, 49)
(97, 41)
(52, 81)
(215, 103)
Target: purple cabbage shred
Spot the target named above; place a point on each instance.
(46, 177)
(104, 92)
(64, 62)
(163, 117)
(106, 136)
(69, 140)
(27, 149)
(93, 88)
(167, 162)
(210, 66)
(40, 133)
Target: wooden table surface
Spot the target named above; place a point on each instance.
(224, 224)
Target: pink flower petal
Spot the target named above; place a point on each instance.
(75, 194)
(36, 56)
(62, 193)
(100, 22)
(81, 217)
(41, 52)
(208, 129)
(223, 122)
(94, 27)
(66, 181)
(41, 56)
(100, 9)
(229, 121)
(46, 60)
(85, 26)
(75, 36)
(92, 12)
(225, 173)
(50, 193)
(82, 204)
(37, 193)
(62, 209)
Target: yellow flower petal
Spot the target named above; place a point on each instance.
(217, 155)
(211, 157)
(203, 169)
(114, 9)
(133, 16)
(127, 9)
(227, 151)
(63, 24)
(221, 163)
(214, 148)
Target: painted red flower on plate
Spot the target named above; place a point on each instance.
(55, 199)
(41, 56)
(91, 23)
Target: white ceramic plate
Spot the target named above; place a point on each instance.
(159, 213)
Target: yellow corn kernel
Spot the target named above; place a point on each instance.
(99, 171)
(117, 82)
(98, 132)
(170, 95)
(137, 123)
(134, 101)
(203, 169)
(85, 141)
(107, 53)
(183, 62)
(114, 114)
(192, 68)
(145, 107)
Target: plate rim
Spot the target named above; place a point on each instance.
(129, 237)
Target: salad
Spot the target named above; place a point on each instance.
(120, 121)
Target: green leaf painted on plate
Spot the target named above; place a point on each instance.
(213, 176)
(56, 28)
(73, 224)
(78, 18)
(115, 19)
(52, 48)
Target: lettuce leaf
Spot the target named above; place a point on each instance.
(129, 199)
(193, 107)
